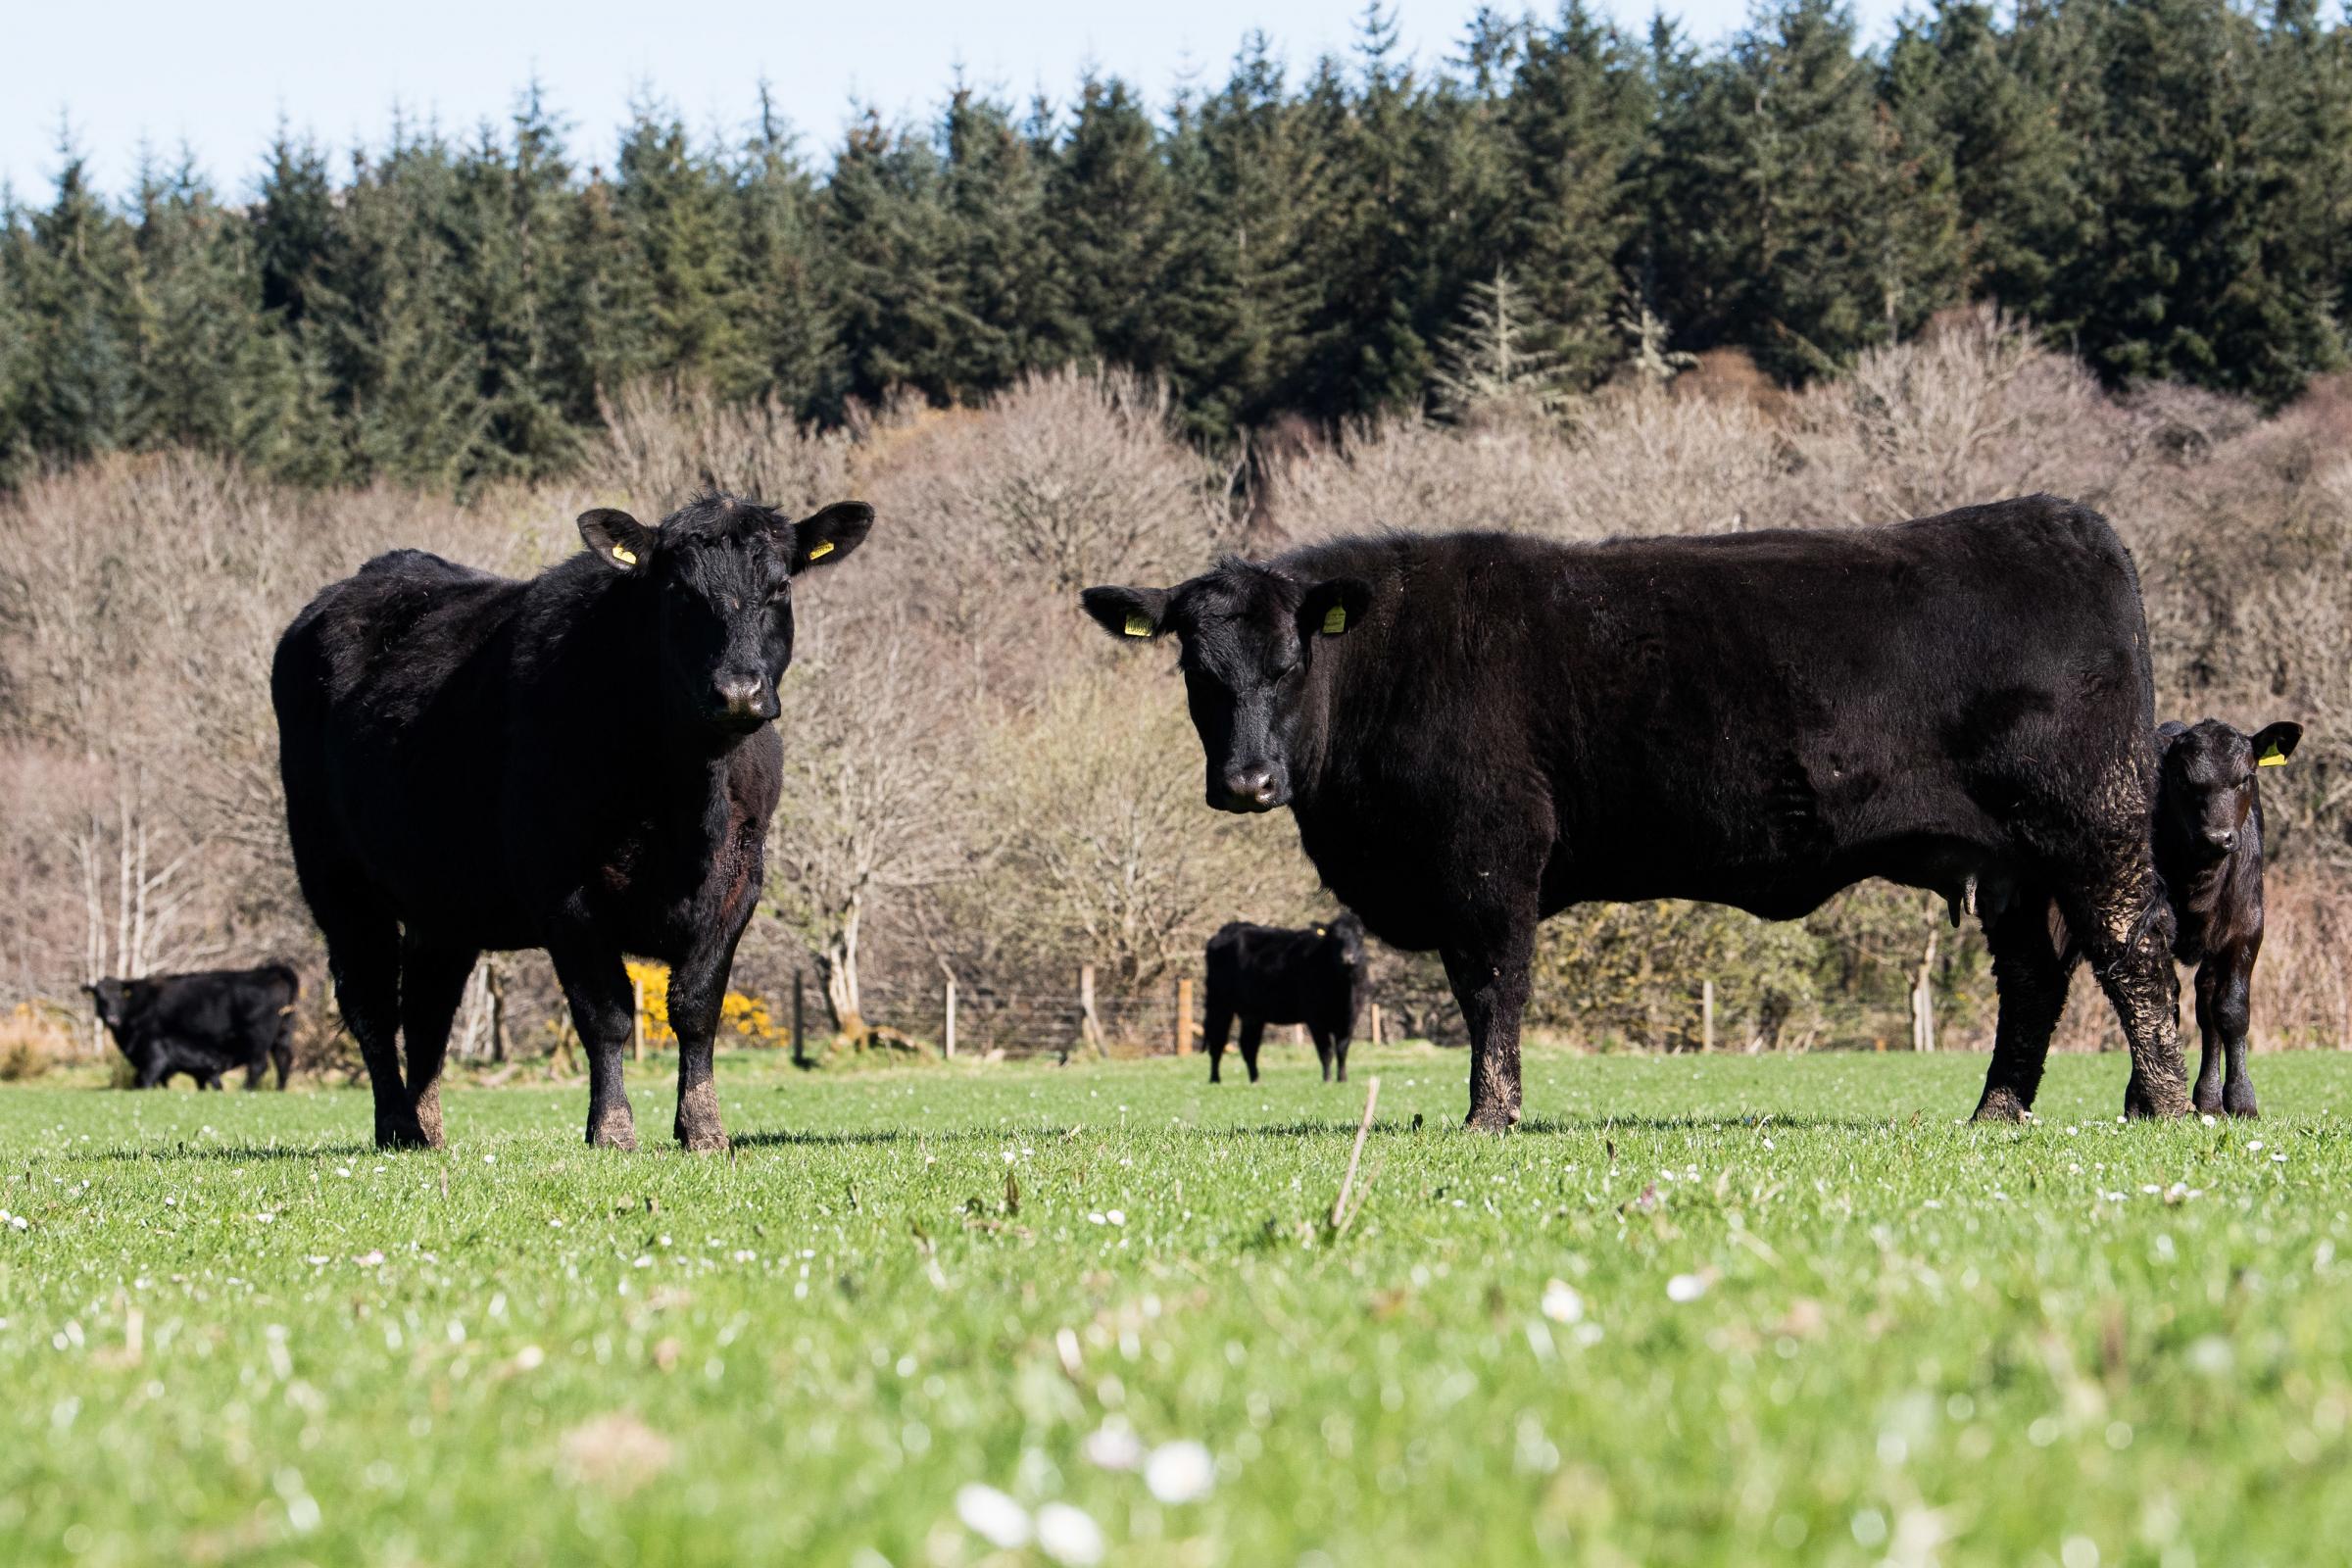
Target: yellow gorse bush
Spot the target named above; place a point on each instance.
(746, 1016)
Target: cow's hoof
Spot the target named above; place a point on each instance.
(616, 1130)
(2208, 1097)
(1490, 1120)
(2001, 1105)
(403, 1134)
(702, 1140)
(2146, 1100)
(2240, 1102)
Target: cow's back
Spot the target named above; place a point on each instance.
(1754, 719)
(391, 690)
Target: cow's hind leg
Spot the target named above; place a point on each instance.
(2030, 973)
(433, 982)
(596, 985)
(1221, 1024)
(1253, 1030)
(2124, 928)
(362, 955)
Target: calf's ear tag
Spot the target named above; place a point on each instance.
(1138, 627)
(624, 555)
(1334, 620)
(2271, 757)
(821, 550)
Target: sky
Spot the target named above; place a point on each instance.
(216, 77)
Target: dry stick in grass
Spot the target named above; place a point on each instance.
(1339, 1210)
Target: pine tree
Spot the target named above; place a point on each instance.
(886, 228)
(204, 365)
(998, 274)
(782, 262)
(1108, 209)
(77, 288)
(1490, 366)
(674, 202)
(1576, 118)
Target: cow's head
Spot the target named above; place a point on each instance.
(718, 574)
(112, 999)
(2209, 776)
(1251, 636)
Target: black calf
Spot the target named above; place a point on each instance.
(203, 1024)
(1263, 974)
(2209, 852)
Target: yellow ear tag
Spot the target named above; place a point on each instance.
(624, 555)
(2271, 757)
(1138, 627)
(822, 551)
(1334, 620)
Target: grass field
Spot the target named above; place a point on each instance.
(1802, 1315)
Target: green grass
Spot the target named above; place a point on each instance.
(1910, 1339)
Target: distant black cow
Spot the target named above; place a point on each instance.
(582, 761)
(203, 1024)
(1263, 974)
(1476, 730)
(2209, 852)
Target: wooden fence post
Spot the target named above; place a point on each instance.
(799, 1057)
(1089, 1027)
(1376, 1023)
(948, 1043)
(1706, 1015)
(1923, 993)
(1184, 1017)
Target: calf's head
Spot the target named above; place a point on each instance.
(716, 577)
(2206, 790)
(1344, 940)
(1250, 637)
(112, 999)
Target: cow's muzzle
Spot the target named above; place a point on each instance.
(1257, 787)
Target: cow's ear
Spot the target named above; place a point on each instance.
(618, 539)
(1128, 612)
(830, 534)
(1334, 606)
(2274, 744)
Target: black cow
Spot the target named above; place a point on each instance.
(582, 763)
(1476, 730)
(2209, 852)
(203, 1024)
(1264, 974)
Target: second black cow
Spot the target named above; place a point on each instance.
(1263, 974)
(1476, 730)
(203, 1024)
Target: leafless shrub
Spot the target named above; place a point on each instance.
(663, 445)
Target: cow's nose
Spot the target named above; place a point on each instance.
(2225, 841)
(745, 697)
(1254, 787)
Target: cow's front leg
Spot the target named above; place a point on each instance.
(596, 986)
(1490, 983)
(698, 993)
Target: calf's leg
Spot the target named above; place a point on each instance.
(433, 982)
(2030, 974)
(1322, 1047)
(2233, 1009)
(1252, 1030)
(602, 1008)
(1220, 1022)
(2207, 1096)
(697, 990)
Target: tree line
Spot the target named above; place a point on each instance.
(2165, 187)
